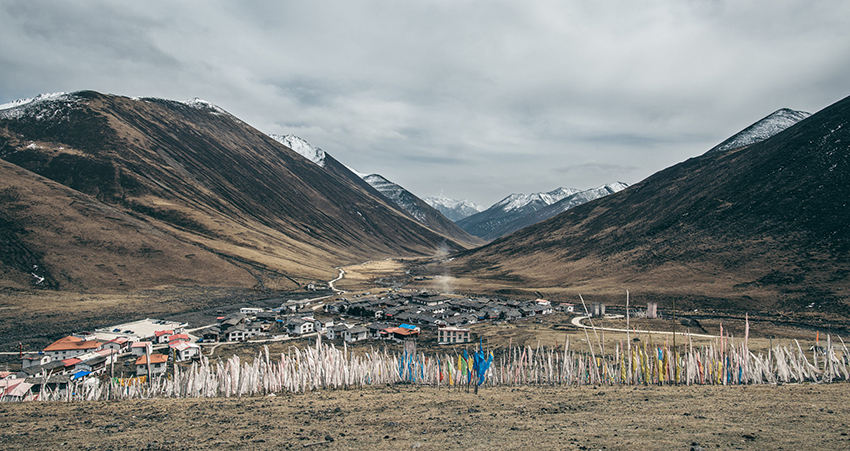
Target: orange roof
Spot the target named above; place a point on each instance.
(140, 344)
(160, 333)
(178, 337)
(72, 343)
(401, 331)
(155, 358)
(72, 361)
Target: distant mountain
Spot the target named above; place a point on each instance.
(489, 223)
(765, 128)
(406, 201)
(419, 210)
(102, 192)
(760, 228)
(454, 209)
(559, 207)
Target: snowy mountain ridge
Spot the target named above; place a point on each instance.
(40, 107)
(452, 208)
(397, 194)
(307, 150)
(518, 200)
(521, 210)
(38, 98)
(768, 126)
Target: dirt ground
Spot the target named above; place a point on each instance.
(786, 417)
(414, 417)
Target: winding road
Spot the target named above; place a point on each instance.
(577, 321)
(338, 278)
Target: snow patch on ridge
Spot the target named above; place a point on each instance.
(400, 196)
(454, 209)
(38, 98)
(205, 105)
(305, 149)
(770, 125)
(40, 107)
(518, 200)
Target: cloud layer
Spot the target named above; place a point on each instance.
(475, 99)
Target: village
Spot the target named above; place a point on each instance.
(130, 352)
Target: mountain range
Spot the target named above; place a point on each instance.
(104, 192)
(407, 202)
(420, 210)
(759, 227)
(521, 210)
(452, 208)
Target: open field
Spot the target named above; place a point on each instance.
(412, 417)
(792, 416)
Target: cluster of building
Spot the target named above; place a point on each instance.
(389, 316)
(386, 316)
(79, 356)
(436, 310)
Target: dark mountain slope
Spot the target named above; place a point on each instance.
(762, 227)
(762, 129)
(209, 180)
(404, 201)
(489, 223)
(54, 237)
(420, 210)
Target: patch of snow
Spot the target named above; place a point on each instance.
(305, 149)
(765, 128)
(518, 200)
(38, 98)
(400, 196)
(40, 107)
(362, 175)
(454, 209)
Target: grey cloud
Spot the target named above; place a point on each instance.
(481, 93)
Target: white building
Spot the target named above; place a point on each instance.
(184, 351)
(450, 335)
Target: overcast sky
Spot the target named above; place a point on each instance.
(471, 99)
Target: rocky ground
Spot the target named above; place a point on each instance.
(786, 417)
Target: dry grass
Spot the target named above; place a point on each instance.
(412, 417)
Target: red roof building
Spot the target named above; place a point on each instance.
(158, 364)
(70, 346)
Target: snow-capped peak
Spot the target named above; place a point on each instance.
(519, 200)
(38, 98)
(581, 197)
(205, 105)
(770, 125)
(308, 151)
(40, 107)
(400, 196)
(454, 209)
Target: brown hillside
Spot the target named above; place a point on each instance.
(187, 174)
(760, 228)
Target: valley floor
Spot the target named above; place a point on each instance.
(413, 417)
